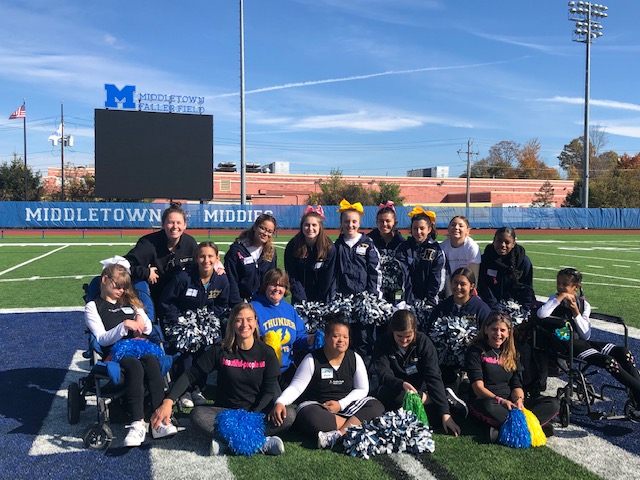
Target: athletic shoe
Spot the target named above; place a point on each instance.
(456, 402)
(217, 447)
(164, 431)
(186, 401)
(548, 429)
(198, 399)
(494, 435)
(328, 439)
(137, 434)
(273, 446)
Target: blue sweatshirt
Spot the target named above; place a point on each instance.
(358, 267)
(424, 270)
(244, 273)
(284, 319)
(383, 247)
(475, 310)
(311, 279)
(186, 291)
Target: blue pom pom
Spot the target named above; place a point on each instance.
(242, 431)
(318, 341)
(134, 348)
(515, 432)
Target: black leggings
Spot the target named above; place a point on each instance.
(616, 360)
(203, 419)
(489, 411)
(137, 374)
(315, 418)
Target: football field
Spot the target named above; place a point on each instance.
(43, 338)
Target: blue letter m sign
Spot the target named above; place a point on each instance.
(115, 96)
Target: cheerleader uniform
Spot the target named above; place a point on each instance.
(311, 279)
(424, 270)
(245, 267)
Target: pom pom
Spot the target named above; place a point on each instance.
(517, 312)
(318, 341)
(242, 431)
(194, 330)
(538, 438)
(413, 403)
(136, 347)
(313, 314)
(393, 432)
(451, 335)
(272, 339)
(422, 310)
(514, 432)
(368, 309)
(563, 334)
(392, 276)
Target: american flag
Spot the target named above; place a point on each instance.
(19, 113)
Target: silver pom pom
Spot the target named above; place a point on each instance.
(194, 330)
(517, 312)
(451, 335)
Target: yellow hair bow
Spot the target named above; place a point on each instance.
(418, 210)
(344, 206)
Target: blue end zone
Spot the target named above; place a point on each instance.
(36, 350)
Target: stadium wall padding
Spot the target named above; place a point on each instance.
(74, 215)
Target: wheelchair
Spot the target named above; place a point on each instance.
(579, 390)
(104, 383)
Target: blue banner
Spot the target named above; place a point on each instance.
(148, 215)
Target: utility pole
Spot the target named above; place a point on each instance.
(469, 153)
(62, 149)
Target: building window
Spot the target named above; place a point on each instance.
(225, 185)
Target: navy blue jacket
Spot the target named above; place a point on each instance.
(244, 273)
(383, 247)
(310, 279)
(424, 270)
(475, 310)
(506, 278)
(185, 292)
(358, 268)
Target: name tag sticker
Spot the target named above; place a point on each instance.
(411, 370)
(361, 250)
(318, 265)
(127, 310)
(247, 260)
(191, 292)
(491, 272)
(326, 373)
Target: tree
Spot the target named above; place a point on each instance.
(81, 189)
(499, 162)
(333, 190)
(530, 165)
(12, 181)
(572, 157)
(544, 197)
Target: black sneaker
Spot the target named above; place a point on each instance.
(548, 429)
(494, 435)
(456, 402)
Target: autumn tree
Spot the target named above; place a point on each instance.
(544, 196)
(499, 163)
(334, 189)
(530, 165)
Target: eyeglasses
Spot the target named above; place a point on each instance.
(115, 285)
(266, 230)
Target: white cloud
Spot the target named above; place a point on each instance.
(600, 103)
(362, 121)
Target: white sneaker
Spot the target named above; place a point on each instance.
(137, 434)
(273, 446)
(186, 401)
(328, 439)
(217, 447)
(197, 398)
(456, 402)
(164, 430)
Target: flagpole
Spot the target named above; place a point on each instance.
(24, 131)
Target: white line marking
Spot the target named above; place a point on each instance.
(591, 451)
(593, 266)
(42, 309)
(32, 260)
(411, 466)
(30, 279)
(529, 252)
(622, 266)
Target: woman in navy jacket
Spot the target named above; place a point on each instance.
(249, 258)
(310, 259)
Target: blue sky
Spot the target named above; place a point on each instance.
(371, 87)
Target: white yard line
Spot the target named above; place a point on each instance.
(42, 310)
(411, 466)
(37, 277)
(32, 260)
(572, 255)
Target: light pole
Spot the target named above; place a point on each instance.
(243, 161)
(587, 18)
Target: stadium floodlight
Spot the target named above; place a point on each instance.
(587, 28)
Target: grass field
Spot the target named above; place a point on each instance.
(37, 273)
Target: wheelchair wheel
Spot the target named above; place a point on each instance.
(97, 436)
(629, 411)
(588, 396)
(74, 403)
(565, 413)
